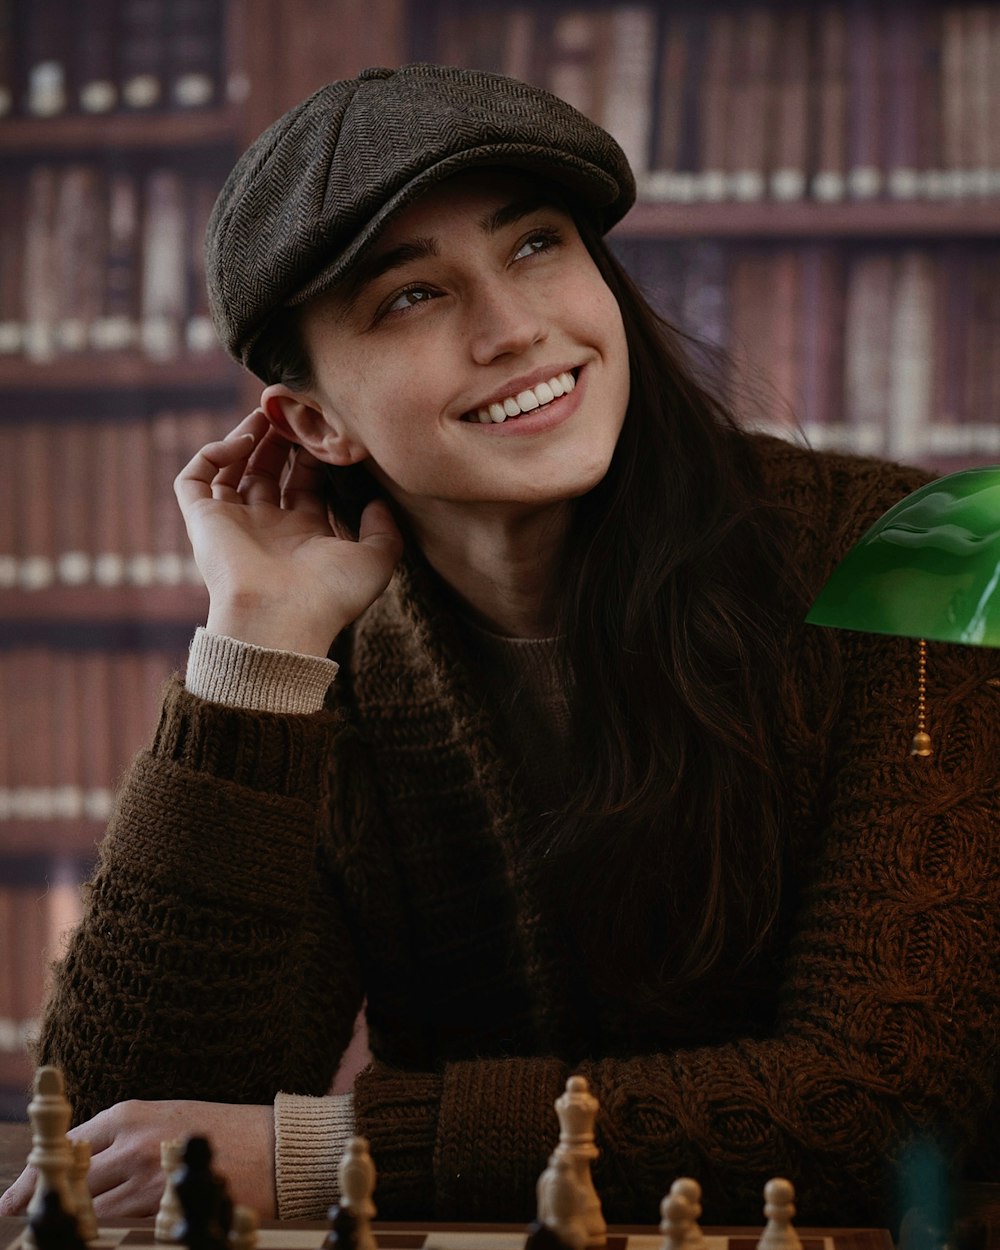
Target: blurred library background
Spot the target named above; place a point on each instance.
(819, 198)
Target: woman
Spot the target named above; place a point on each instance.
(584, 794)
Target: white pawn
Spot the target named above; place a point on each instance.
(561, 1202)
(83, 1203)
(676, 1221)
(690, 1189)
(50, 1114)
(170, 1212)
(243, 1234)
(779, 1208)
(577, 1111)
(357, 1184)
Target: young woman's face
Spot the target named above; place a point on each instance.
(479, 301)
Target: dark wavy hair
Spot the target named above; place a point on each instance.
(681, 663)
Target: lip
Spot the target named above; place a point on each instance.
(538, 420)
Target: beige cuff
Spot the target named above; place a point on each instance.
(225, 670)
(310, 1135)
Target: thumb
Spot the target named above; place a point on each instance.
(378, 529)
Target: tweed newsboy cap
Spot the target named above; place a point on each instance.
(315, 189)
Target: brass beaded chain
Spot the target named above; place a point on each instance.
(921, 739)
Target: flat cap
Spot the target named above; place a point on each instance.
(315, 189)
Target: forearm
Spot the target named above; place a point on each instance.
(208, 924)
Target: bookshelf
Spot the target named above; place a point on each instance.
(819, 196)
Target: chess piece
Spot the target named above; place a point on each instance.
(207, 1212)
(676, 1220)
(779, 1208)
(357, 1184)
(561, 1202)
(50, 1114)
(169, 1214)
(343, 1229)
(243, 1234)
(53, 1227)
(691, 1190)
(577, 1111)
(79, 1190)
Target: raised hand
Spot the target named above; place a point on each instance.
(277, 574)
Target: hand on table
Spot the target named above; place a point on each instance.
(125, 1177)
(277, 573)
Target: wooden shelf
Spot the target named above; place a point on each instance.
(769, 219)
(131, 131)
(156, 605)
(119, 371)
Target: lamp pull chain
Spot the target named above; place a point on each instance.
(921, 739)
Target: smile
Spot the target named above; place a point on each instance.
(537, 396)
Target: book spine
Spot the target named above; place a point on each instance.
(164, 269)
(199, 331)
(572, 53)
(629, 86)
(954, 88)
(45, 48)
(41, 280)
(864, 64)
(95, 56)
(981, 87)
(750, 104)
(34, 490)
(822, 348)
(901, 111)
(111, 519)
(12, 247)
(141, 32)
(80, 249)
(192, 53)
(911, 353)
(793, 106)
(135, 495)
(829, 178)
(78, 499)
(664, 177)
(868, 313)
(8, 88)
(716, 107)
(98, 762)
(116, 327)
(520, 37)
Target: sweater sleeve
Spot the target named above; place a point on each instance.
(211, 927)
(889, 1018)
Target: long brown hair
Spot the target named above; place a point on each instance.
(664, 863)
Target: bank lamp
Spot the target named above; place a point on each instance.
(929, 568)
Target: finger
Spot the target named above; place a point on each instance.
(303, 487)
(196, 479)
(17, 1197)
(261, 482)
(378, 529)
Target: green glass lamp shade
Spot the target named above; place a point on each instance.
(928, 568)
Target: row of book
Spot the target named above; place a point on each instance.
(73, 719)
(746, 101)
(100, 258)
(91, 502)
(889, 349)
(40, 905)
(105, 56)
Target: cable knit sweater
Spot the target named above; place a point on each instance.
(265, 871)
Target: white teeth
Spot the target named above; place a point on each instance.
(526, 400)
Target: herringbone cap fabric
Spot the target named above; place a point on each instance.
(315, 189)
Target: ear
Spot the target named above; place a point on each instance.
(302, 419)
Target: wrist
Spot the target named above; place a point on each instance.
(272, 628)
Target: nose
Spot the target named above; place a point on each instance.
(502, 322)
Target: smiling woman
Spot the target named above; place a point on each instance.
(505, 722)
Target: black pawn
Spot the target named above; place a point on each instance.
(208, 1211)
(343, 1234)
(541, 1237)
(54, 1227)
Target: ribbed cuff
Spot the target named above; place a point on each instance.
(239, 674)
(309, 1138)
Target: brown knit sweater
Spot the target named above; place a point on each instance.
(264, 872)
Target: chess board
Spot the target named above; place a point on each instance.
(301, 1235)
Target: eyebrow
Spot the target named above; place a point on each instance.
(422, 247)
